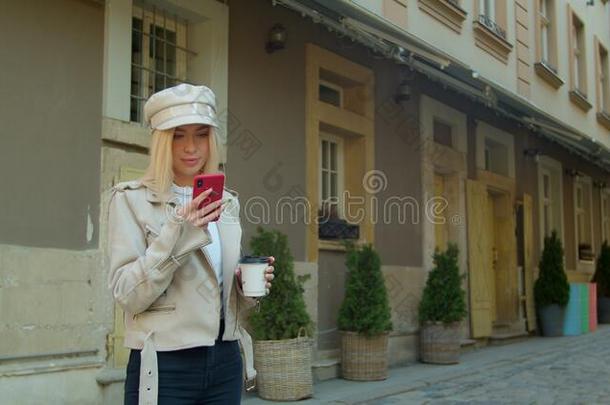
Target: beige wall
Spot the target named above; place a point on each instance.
(52, 292)
(462, 47)
(266, 155)
(52, 85)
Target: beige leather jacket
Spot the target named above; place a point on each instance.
(164, 282)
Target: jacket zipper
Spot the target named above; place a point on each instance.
(157, 309)
(162, 308)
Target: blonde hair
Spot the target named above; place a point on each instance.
(159, 174)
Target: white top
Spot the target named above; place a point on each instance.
(213, 250)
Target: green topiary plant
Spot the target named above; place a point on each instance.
(443, 299)
(365, 308)
(552, 285)
(602, 271)
(282, 314)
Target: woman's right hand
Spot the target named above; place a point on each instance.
(200, 217)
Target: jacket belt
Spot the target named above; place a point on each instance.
(149, 371)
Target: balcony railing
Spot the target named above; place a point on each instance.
(492, 26)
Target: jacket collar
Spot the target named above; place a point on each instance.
(155, 197)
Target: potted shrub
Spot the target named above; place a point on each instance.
(551, 290)
(281, 327)
(442, 309)
(364, 317)
(602, 278)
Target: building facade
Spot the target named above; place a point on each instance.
(484, 123)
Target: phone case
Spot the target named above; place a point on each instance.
(203, 182)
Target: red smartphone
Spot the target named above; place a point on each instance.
(202, 182)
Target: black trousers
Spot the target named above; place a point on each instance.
(201, 375)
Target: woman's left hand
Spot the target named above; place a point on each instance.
(269, 276)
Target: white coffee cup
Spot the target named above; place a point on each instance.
(253, 275)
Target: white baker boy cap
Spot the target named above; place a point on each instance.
(181, 105)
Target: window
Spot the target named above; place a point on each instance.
(339, 147)
(491, 18)
(550, 197)
(442, 133)
(496, 157)
(331, 173)
(487, 9)
(495, 150)
(490, 26)
(547, 42)
(605, 214)
(447, 12)
(578, 66)
(545, 23)
(184, 41)
(158, 55)
(578, 52)
(331, 93)
(583, 221)
(603, 84)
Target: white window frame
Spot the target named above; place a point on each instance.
(335, 87)
(579, 55)
(488, 9)
(545, 24)
(208, 34)
(580, 182)
(554, 169)
(603, 79)
(146, 77)
(340, 170)
(605, 213)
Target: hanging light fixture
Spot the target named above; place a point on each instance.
(277, 38)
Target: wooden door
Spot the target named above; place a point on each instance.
(528, 261)
(507, 277)
(440, 228)
(479, 259)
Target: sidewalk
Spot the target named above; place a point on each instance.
(483, 362)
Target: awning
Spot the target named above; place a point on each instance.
(356, 22)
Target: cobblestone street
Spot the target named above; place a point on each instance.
(567, 370)
(571, 370)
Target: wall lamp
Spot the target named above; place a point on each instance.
(277, 38)
(403, 93)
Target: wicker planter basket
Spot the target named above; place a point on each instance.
(283, 369)
(440, 343)
(364, 358)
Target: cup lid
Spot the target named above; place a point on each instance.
(254, 259)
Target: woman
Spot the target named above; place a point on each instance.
(174, 267)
